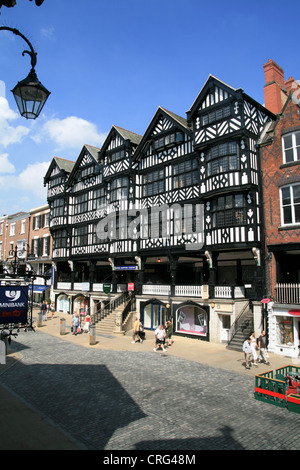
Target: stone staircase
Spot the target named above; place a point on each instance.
(107, 324)
(244, 329)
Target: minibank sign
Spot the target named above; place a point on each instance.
(13, 304)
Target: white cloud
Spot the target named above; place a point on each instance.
(48, 32)
(26, 190)
(5, 165)
(8, 134)
(73, 132)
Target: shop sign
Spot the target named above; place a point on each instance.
(13, 304)
(130, 286)
(126, 268)
(106, 288)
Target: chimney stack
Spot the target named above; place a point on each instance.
(274, 91)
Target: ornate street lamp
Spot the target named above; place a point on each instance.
(30, 94)
(12, 3)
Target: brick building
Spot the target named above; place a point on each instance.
(14, 233)
(25, 244)
(280, 163)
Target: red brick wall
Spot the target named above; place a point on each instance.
(275, 175)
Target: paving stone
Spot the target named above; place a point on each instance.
(121, 400)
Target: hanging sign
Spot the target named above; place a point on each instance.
(106, 288)
(294, 312)
(13, 304)
(130, 286)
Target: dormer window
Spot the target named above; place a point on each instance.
(215, 115)
(169, 140)
(89, 171)
(116, 156)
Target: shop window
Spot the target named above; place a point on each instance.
(193, 320)
(154, 315)
(285, 334)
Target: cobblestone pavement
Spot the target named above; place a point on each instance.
(124, 400)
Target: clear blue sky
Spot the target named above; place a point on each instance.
(112, 62)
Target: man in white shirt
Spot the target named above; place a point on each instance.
(160, 338)
(247, 352)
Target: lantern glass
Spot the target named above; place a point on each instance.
(30, 96)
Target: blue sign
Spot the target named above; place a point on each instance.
(13, 304)
(125, 268)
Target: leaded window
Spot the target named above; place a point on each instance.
(154, 182)
(222, 158)
(228, 210)
(81, 203)
(98, 198)
(215, 115)
(60, 239)
(185, 174)
(57, 207)
(81, 236)
(119, 189)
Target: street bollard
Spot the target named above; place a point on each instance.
(92, 334)
(62, 326)
(40, 319)
(3, 347)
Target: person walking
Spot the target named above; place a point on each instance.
(52, 308)
(75, 323)
(136, 330)
(141, 331)
(160, 338)
(86, 327)
(254, 348)
(169, 331)
(262, 346)
(44, 310)
(247, 352)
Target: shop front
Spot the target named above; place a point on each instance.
(80, 305)
(284, 330)
(191, 319)
(154, 313)
(63, 303)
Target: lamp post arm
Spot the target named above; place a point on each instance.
(32, 53)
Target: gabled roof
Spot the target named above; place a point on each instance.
(207, 87)
(124, 134)
(222, 92)
(178, 121)
(62, 164)
(128, 135)
(92, 151)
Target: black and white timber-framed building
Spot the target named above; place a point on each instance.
(174, 214)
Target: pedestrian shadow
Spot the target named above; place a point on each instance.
(223, 441)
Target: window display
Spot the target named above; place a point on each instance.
(192, 320)
(285, 331)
